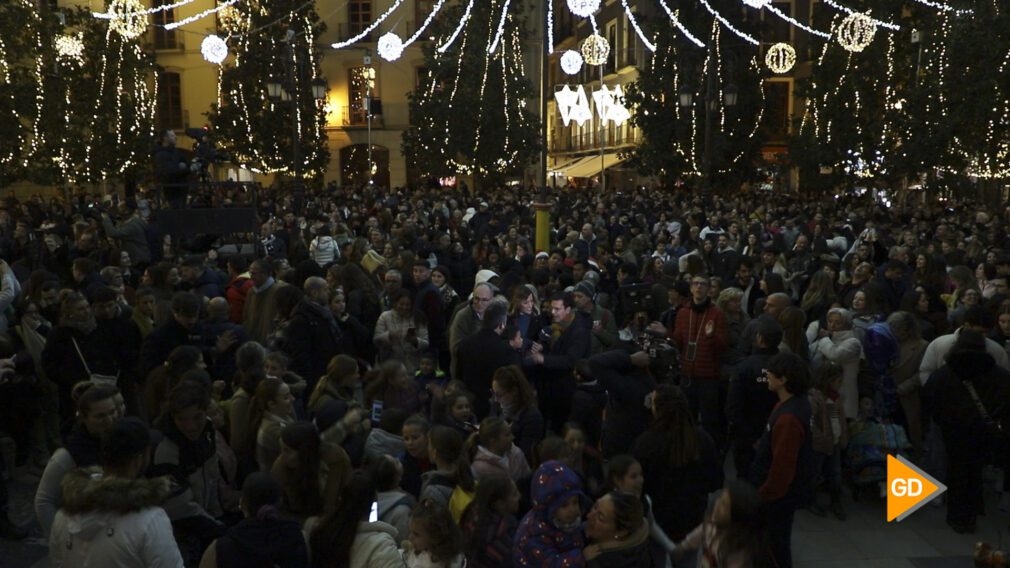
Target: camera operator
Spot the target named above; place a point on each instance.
(130, 233)
(626, 378)
(171, 171)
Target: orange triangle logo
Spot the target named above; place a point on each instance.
(908, 488)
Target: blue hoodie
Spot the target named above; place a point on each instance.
(538, 541)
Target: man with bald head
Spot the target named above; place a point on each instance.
(314, 336)
(218, 325)
(774, 304)
(466, 322)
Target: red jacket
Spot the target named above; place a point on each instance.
(238, 288)
(690, 327)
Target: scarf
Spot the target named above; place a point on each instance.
(266, 285)
(192, 454)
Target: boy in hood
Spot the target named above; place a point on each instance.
(550, 534)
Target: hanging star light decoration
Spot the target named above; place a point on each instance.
(573, 105)
(389, 47)
(595, 49)
(214, 49)
(583, 8)
(70, 48)
(571, 62)
(129, 19)
(856, 31)
(618, 113)
(780, 58)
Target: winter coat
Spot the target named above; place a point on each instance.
(253, 543)
(373, 547)
(314, 338)
(906, 378)
(394, 509)
(626, 414)
(538, 541)
(937, 351)
(690, 328)
(479, 356)
(109, 521)
(199, 482)
(843, 348)
(132, 236)
(268, 439)
(382, 443)
(749, 402)
(464, 324)
(528, 428)
(324, 250)
(512, 464)
(679, 493)
(259, 312)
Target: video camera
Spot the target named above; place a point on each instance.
(205, 152)
(664, 359)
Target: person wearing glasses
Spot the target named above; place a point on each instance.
(466, 323)
(700, 334)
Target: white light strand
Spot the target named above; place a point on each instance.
(501, 28)
(459, 28)
(743, 35)
(550, 26)
(945, 7)
(200, 16)
(371, 27)
(144, 12)
(634, 24)
(427, 21)
(771, 8)
(592, 21)
(677, 22)
(847, 10)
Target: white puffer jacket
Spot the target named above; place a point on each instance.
(108, 521)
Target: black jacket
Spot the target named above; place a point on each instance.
(749, 402)
(554, 377)
(253, 543)
(480, 355)
(679, 494)
(314, 337)
(165, 338)
(627, 416)
(63, 366)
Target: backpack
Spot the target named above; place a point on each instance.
(459, 501)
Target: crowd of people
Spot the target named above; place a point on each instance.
(401, 378)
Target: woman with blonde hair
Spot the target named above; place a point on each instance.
(794, 338)
(819, 297)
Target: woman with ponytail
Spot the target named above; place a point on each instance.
(262, 538)
(451, 483)
(493, 452)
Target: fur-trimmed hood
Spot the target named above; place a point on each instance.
(87, 490)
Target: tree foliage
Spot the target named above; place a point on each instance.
(470, 115)
(257, 132)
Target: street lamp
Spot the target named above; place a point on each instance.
(686, 97)
(729, 95)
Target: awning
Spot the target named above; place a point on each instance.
(590, 165)
(562, 166)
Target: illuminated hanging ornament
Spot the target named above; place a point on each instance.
(571, 62)
(595, 49)
(565, 99)
(230, 18)
(214, 49)
(581, 112)
(583, 8)
(856, 31)
(70, 48)
(757, 4)
(780, 58)
(128, 19)
(390, 47)
(618, 113)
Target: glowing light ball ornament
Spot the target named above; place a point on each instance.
(571, 62)
(390, 47)
(780, 58)
(70, 48)
(583, 8)
(127, 21)
(856, 32)
(757, 4)
(595, 49)
(214, 49)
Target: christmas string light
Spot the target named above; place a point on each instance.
(771, 8)
(638, 30)
(389, 46)
(742, 35)
(368, 29)
(214, 49)
(847, 10)
(945, 7)
(424, 26)
(856, 32)
(676, 22)
(131, 24)
(70, 47)
(200, 16)
(110, 15)
(757, 4)
(501, 28)
(595, 50)
(571, 62)
(583, 8)
(462, 22)
(550, 27)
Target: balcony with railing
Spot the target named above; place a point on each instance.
(356, 115)
(616, 137)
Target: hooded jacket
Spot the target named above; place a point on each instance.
(538, 541)
(513, 464)
(324, 250)
(632, 551)
(109, 521)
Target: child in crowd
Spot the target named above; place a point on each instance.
(394, 504)
(489, 523)
(457, 413)
(430, 379)
(624, 474)
(585, 460)
(385, 439)
(733, 533)
(494, 453)
(829, 434)
(415, 455)
(434, 538)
